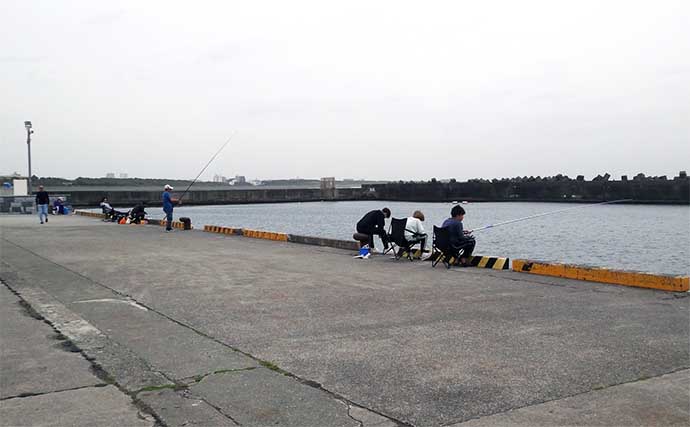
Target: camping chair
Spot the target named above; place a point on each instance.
(108, 213)
(397, 238)
(443, 251)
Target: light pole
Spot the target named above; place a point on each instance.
(29, 131)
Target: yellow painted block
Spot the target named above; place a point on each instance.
(593, 274)
(500, 263)
(483, 262)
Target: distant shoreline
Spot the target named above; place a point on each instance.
(557, 189)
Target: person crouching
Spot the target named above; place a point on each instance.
(374, 224)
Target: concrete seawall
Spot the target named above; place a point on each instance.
(117, 197)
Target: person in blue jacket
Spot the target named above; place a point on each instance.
(168, 204)
(460, 240)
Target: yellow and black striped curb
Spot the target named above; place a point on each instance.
(604, 275)
(175, 224)
(88, 213)
(256, 234)
(282, 237)
(268, 235)
(222, 230)
(480, 261)
(495, 263)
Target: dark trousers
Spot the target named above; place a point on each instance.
(413, 242)
(137, 217)
(374, 232)
(422, 241)
(466, 246)
(168, 219)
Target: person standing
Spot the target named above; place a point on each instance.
(168, 204)
(460, 239)
(373, 223)
(42, 202)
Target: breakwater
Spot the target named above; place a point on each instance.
(639, 189)
(118, 197)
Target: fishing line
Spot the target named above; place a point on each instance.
(207, 165)
(546, 213)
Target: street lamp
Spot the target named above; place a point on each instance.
(29, 131)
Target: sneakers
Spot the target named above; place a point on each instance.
(168, 231)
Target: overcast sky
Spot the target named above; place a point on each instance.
(378, 90)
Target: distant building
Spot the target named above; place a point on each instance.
(110, 175)
(327, 183)
(219, 178)
(328, 187)
(124, 175)
(239, 180)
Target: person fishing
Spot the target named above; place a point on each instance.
(110, 213)
(168, 204)
(373, 224)
(138, 213)
(414, 231)
(460, 239)
(168, 201)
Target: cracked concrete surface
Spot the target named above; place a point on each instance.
(416, 345)
(43, 383)
(634, 403)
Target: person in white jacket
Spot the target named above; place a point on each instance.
(414, 230)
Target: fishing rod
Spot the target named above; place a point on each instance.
(545, 213)
(207, 165)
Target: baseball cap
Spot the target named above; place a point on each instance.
(167, 187)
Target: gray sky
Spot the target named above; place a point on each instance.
(379, 90)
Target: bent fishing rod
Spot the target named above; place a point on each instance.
(546, 213)
(207, 165)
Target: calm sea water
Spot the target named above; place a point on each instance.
(631, 237)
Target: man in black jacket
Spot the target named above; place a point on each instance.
(373, 223)
(138, 213)
(42, 202)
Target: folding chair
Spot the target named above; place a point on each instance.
(441, 248)
(397, 238)
(108, 213)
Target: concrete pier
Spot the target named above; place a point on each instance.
(215, 329)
